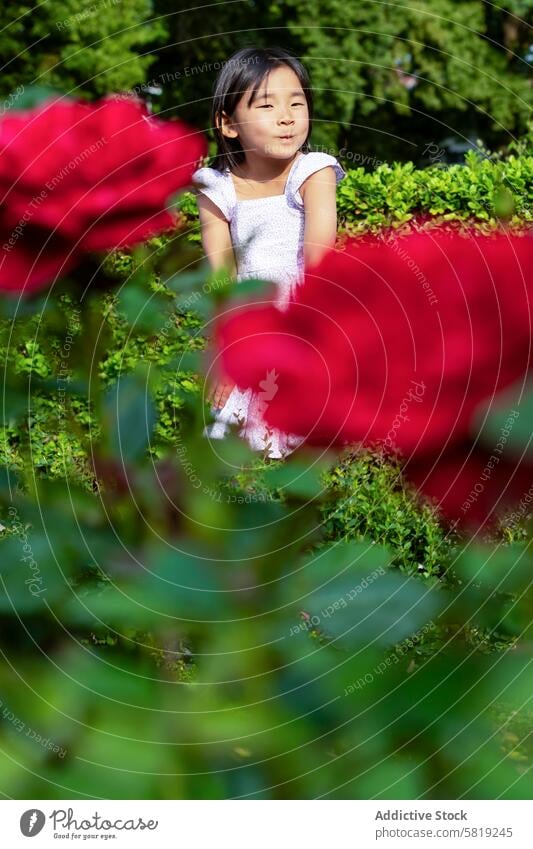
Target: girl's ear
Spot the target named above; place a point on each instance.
(226, 126)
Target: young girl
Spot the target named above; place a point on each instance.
(267, 206)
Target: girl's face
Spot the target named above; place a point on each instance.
(276, 123)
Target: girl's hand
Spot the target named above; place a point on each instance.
(220, 394)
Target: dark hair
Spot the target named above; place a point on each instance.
(246, 69)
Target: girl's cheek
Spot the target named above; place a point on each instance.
(264, 126)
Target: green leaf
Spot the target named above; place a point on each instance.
(34, 95)
(298, 478)
(502, 568)
(187, 281)
(506, 424)
(349, 594)
(143, 311)
(44, 555)
(195, 302)
(171, 585)
(504, 202)
(250, 288)
(15, 404)
(187, 361)
(130, 416)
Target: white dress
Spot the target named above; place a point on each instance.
(268, 239)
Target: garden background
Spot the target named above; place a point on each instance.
(211, 624)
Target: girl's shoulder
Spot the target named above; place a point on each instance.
(307, 164)
(217, 186)
(208, 176)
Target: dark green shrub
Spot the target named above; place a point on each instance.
(369, 499)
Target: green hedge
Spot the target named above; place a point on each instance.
(484, 191)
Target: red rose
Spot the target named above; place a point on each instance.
(472, 484)
(392, 343)
(77, 177)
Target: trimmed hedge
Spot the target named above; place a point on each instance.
(484, 191)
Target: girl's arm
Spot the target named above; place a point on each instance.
(320, 204)
(216, 242)
(216, 238)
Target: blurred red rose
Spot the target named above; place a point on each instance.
(470, 484)
(78, 177)
(393, 343)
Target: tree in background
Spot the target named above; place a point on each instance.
(390, 78)
(377, 66)
(393, 80)
(92, 49)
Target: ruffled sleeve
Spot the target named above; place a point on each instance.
(307, 165)
(214, 185)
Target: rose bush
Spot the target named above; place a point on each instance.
(394, 346)
(78, 177)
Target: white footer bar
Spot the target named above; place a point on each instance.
(268, 824)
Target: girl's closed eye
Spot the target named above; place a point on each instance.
(270, 105)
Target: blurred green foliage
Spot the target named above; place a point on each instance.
(185, 619)
(182, 619)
